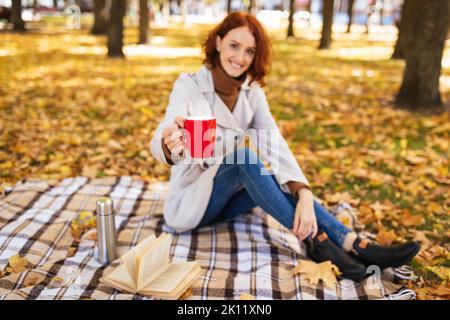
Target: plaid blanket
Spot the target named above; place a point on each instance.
(252, 254)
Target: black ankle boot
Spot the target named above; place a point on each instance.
(322, 249)
(384, 256)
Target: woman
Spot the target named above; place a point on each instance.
(228, 86)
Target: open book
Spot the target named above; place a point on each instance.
(146, 269)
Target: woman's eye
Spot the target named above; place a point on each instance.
(234, 46)
(251, 52)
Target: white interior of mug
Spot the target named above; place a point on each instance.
(200, 118)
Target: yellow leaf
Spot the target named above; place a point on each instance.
(344, 196)
(409, 220)
(345, 218)
(247, 296)
(313, 272)
(326, 172)
(65, 171)
(403, 143)
(385, 237)
(17, 263)
(440, 271)
(422, 239)
(104, 136)
(441, 291)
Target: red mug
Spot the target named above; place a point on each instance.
(200, 134)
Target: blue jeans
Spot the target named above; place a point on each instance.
(240, 186)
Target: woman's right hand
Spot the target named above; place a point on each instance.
(173, 137)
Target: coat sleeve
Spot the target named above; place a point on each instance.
(178, 106)
(265, 135)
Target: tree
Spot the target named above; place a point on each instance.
(404, 29)
(290, 30)
(16, 15)
(423, 54)
(100, 23)
(251, 6)
(115, 28)
(228, 6)
(327, 25)
(143, 21)
(350, 14)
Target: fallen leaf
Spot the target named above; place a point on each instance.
(17, 263)
(441, 291)
(440, 271)
(31, 281)
(409, 220)
(343, 196)
(420, 237)
(313, 272)
(247, 296)
(385, 237)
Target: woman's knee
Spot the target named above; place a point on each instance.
(244, 156)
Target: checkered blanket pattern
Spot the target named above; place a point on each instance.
(252, 254)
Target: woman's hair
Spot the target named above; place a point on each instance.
(261, 62)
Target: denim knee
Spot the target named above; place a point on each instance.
(246, 157)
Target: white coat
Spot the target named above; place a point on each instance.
(191, 183)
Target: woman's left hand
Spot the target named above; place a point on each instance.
(305, 222)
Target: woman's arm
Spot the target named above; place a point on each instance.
(178, 106)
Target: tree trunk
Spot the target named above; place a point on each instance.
(143, 21)
(381, 12)
(290, 30)
(423, 54)
(100, 23)
(350, 14)
(327, 25)
(55, 4)
(115, 28)
(251, 6)
(404, 26)
(228, 6)
(16, 15)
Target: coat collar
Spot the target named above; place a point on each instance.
(206, 83)
(223, 115)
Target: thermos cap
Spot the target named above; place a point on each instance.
(105, 207)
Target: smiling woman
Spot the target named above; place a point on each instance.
(229, 88)
(241, 40)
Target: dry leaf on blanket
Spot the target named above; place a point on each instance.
(247, 296)
(84, 221)
(17, 263)
(31, 281)
(325, 271)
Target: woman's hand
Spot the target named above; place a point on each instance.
(173, 136)
(305, 222)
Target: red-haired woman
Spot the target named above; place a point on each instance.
(229, 87)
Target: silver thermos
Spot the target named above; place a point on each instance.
(106, 231)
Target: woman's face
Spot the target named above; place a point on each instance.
(236, 51)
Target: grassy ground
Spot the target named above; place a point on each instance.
(66, 110)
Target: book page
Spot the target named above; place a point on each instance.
(153, 260)
(129, 258)
(171, 277)
(120, 275)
